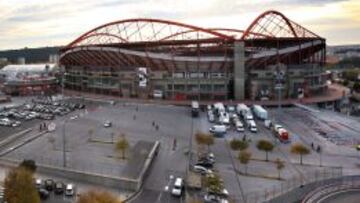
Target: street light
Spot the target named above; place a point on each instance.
(64, 140)
(64, 143)
(279, 80)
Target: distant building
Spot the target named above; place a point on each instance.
(3, 60)
(53, 58)
(21, 60)
(29, 79)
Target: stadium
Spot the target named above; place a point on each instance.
(146, 58)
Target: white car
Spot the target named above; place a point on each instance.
(202, 170)
(211, 118)
(239, 126)
(69, 190)
(177, 188)
(107, 124)
(38, 183)
(74, 117)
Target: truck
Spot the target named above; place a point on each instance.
(224, 118)
(219, 108)
(281, 133)
(195, 109)
(260, 112)
(240, 108)
(244, 111)
(252, 126)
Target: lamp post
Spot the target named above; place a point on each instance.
(279, 80)
(64, 143)
(62, 80)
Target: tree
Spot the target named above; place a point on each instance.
(280, 165)
(214, 184)
(19, 187)
(122, 145)
(208, 140)
(266, 146)
(200, 138)
(299, 149)
(94, 196)
(244, 158)
(29, 165)
(236, 144)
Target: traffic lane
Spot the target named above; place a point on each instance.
(55, 198)
(9, 131)
(170, 161)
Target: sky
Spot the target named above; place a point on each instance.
(37, 23)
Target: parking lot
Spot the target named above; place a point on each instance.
(90, 145)
(300, 125)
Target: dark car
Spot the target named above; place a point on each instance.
(43, 193)
(206, 159)
(59, 188)
(49, 184)
(205, 164)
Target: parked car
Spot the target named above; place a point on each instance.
(218, 130)
(214, 198)
(69, 191)
(201, 169)
(107, 124)
(43, 193)
(211, 117)
(38, 183)
(252, 126)
(239, 126)
(49, 184)
(59, 188)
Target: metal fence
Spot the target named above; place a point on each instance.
(290, 184)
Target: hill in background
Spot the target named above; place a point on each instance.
(31, 55)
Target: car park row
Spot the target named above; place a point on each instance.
(45, 187)
(240, 118)
(43, 109)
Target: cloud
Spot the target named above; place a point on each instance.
(37, 22)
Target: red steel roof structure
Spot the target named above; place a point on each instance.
(168, 45)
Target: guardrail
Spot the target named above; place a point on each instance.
(327, 191)
(282, 191)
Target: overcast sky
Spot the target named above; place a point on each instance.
(34, 23)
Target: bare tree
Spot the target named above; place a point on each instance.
(122, 145)
(244, 158)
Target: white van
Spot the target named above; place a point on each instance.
(252, 126)
(224, 118)
(239, 126)
(177, 189)
(218, 129)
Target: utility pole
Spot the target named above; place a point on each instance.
(62, 81)
(279, 80)
(64, 143)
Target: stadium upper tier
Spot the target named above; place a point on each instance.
(168, 45)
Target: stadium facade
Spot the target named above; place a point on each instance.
(140, 57)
